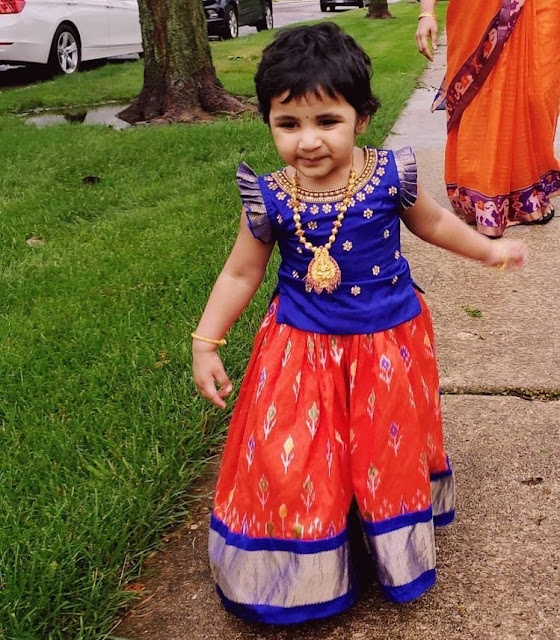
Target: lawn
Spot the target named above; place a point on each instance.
(101, 432)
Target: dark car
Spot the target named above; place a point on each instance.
(224, 17)
(331, 4)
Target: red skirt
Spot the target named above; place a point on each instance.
(323, 422)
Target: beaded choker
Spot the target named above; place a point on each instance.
(323, 272)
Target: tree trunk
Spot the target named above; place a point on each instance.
(180, 83)
(378, 9)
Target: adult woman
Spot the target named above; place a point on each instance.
(502, 95)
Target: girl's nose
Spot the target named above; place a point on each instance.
(309, 140)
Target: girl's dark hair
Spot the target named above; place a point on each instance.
(312, 59)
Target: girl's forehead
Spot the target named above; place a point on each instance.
(319, 99)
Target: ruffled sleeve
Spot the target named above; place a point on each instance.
(253, 201)
(408, 176)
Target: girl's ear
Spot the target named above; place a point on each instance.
(362, 124)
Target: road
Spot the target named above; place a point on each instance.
(286, 12)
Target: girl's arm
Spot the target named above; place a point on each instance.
(427, 30)
(436, 225)
(240, 278)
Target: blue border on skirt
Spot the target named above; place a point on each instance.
(241, 541)
(288, 615)
(445, 518)
(411, 590)
(398, 522)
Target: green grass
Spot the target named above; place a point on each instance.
(101, 432)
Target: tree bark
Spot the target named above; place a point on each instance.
(180, 83)
(378, 9)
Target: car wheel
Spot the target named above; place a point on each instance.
(267, 22)
(323, 7)
(231, 27)
(65, 55)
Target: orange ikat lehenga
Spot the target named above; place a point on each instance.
(325, 421)
(502, 95)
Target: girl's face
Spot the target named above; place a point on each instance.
(316, 136)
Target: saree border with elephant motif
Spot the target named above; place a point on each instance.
(502, 96)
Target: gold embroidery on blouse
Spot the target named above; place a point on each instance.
(334, 195)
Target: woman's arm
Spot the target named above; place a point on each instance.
(436, 225)
(238, 281)
(427, 30)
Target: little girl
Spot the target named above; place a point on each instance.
(340, 403)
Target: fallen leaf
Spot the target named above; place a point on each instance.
(35, 241)
(473, 312)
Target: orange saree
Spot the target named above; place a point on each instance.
(502, 94)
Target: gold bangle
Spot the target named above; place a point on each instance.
(221, 342)
(504, 263)
(427, 14)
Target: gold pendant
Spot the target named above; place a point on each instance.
(323, 273)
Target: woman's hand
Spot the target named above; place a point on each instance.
(426, 36)
(208, 371)
(507, 254)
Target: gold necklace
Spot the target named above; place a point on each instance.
(323, 272)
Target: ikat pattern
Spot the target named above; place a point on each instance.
(312, 438)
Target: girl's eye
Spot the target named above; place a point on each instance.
(288, 125)
(328, 122)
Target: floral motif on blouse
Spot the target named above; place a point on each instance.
(347, 246)
(375, 270)
(368, 213)
(355, 290)
(393, 191)
(386, 233)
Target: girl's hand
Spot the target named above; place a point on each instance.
(208, 371)
(426, 35)
(507, 254)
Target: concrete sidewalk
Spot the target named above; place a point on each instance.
(498, 564)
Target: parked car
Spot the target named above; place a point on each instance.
(224, 17)
(64, 33)
(331, 4)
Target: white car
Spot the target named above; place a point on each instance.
(64, 33)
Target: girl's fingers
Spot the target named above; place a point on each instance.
(224, 384)
(207, 388)
(510, 254)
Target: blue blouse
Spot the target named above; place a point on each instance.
(376, 290)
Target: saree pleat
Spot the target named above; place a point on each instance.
(500, 166)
